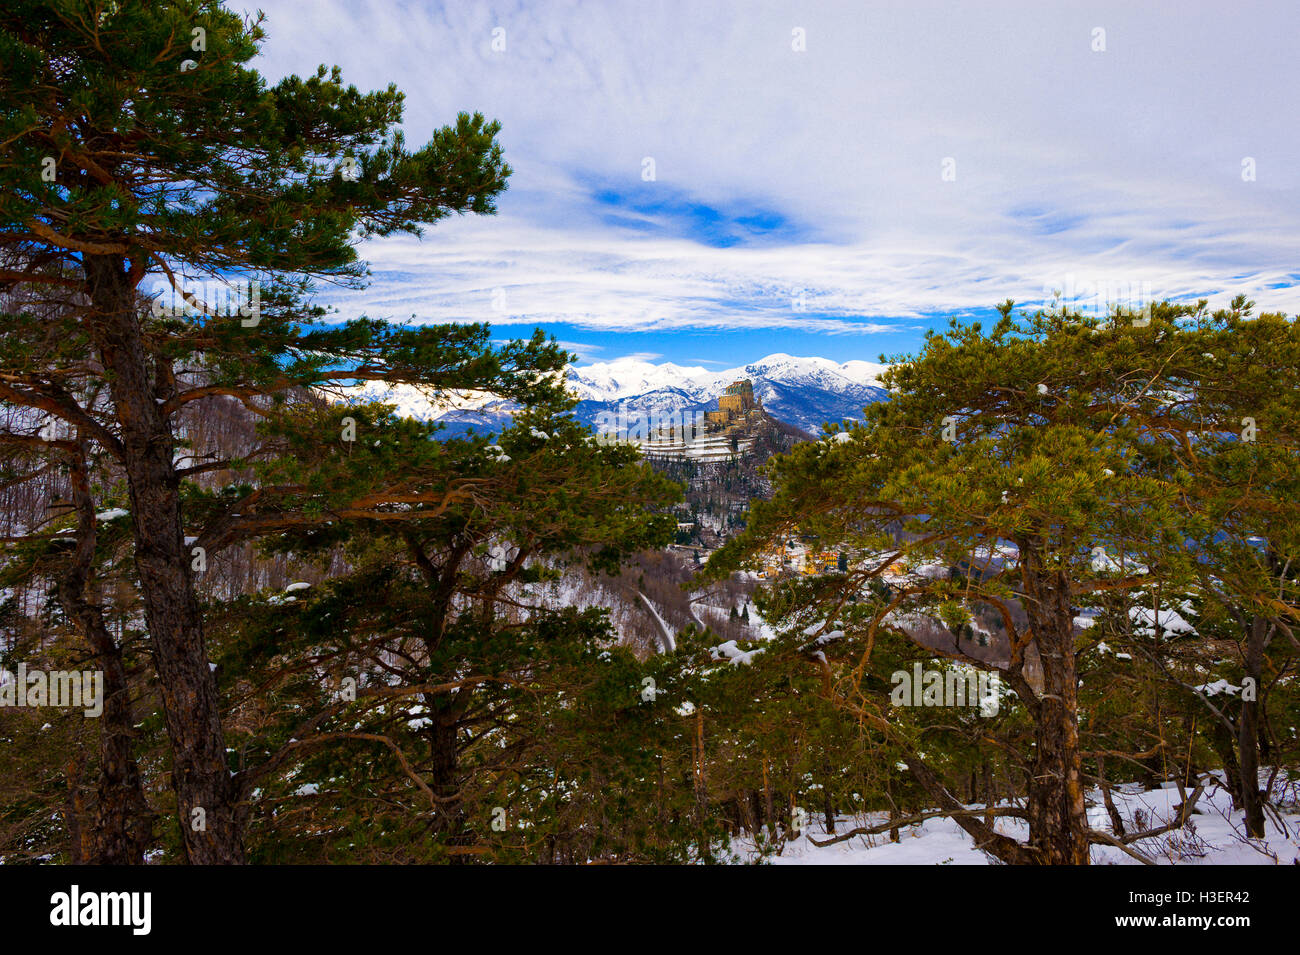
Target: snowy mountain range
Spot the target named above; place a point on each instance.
(804, 392)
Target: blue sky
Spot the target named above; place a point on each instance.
(711, 182)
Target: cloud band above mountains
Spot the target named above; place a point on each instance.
(910, 161)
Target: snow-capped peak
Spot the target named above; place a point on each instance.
(630, 377)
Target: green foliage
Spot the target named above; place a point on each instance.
(1116, 462)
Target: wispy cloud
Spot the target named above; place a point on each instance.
(806, 189)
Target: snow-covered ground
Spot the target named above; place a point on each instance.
(1215, 835)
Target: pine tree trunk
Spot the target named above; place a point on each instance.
(768, 806)
(444, 775)
(123, 819)
(1248, 730)
(444, 761)
(754, 818)
(1226, 747)
(123, 823)
(205, 796)
(73, 813)
(1116, 820)
(1058, 822)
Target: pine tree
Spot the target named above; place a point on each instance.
(1052, 432)
(438, 611)
(1240, 441)
(139, 145)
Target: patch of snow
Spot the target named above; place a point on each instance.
(1170, 622)
(730, 651)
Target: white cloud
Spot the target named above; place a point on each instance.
(1120, 165)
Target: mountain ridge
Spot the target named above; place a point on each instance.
(800, 391)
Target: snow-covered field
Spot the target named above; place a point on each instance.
(1215, 835)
